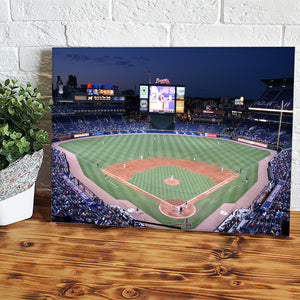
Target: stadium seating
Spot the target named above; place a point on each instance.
(73, 202)
(270, 221)
(273, 97)
(264, 132)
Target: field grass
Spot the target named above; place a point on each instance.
(191, 184)
(97, 153)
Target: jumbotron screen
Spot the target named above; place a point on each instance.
(162, 99)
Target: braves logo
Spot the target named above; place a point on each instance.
(162, 81)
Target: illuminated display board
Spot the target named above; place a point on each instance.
(144, 96)
(144, 89)
(106, 92)
(97, 92)
(99, 89)
(179, 106)
(180, 91)
(143, 105)
(99, 98)
(80, 98)
(239, 101)
(162, 99)
(119, 98)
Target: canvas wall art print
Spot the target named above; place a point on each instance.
(194, 139)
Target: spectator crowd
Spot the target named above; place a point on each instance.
(69, 205)
(256, 219)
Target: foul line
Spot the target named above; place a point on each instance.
(191, 201)
(134, 187)
(211, 190)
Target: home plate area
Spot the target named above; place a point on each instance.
(177, 208)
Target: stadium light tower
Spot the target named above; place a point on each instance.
(149, 73)
(279, 127)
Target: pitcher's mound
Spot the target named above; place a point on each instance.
(171, 181)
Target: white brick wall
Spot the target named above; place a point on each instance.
(4, 11)
(220, 35)
(60, 10)
(38, 33)
(29, 28)
(107, 33)
(9, 59)
(277, 12)
(179, 11)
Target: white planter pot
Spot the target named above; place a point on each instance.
(17, 183)
(17, 208)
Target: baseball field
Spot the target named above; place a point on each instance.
(176, 179)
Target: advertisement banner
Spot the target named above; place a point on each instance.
(143, 105)
(144, 91)
(179, 106)
(81, 135)
(180, 91)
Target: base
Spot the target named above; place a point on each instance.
(17, 208)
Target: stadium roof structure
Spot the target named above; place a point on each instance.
(279, 82)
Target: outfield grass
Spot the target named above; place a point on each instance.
(109, 150)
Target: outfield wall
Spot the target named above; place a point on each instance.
(189, 133)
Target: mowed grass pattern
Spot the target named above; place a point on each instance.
(109, 150)
(191, 184)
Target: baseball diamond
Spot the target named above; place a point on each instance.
(172, 179)
(217, 175)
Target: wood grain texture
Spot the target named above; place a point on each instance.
(45, 260)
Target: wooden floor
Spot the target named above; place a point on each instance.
(44, 260)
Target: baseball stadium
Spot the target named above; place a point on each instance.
(219, 165)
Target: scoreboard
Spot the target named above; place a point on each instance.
(158, 98)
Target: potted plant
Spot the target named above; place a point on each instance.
(21, 148)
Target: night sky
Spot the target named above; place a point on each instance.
(206, 72)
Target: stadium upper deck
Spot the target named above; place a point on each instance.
(278, 91)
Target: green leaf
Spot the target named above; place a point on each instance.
(21, 108)
(31, 133)
(2, 151)
(16, 135)
(8, 144)
(4, 130)
(11, 110)
(24, 142)
(37, 146)
(10, 157)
